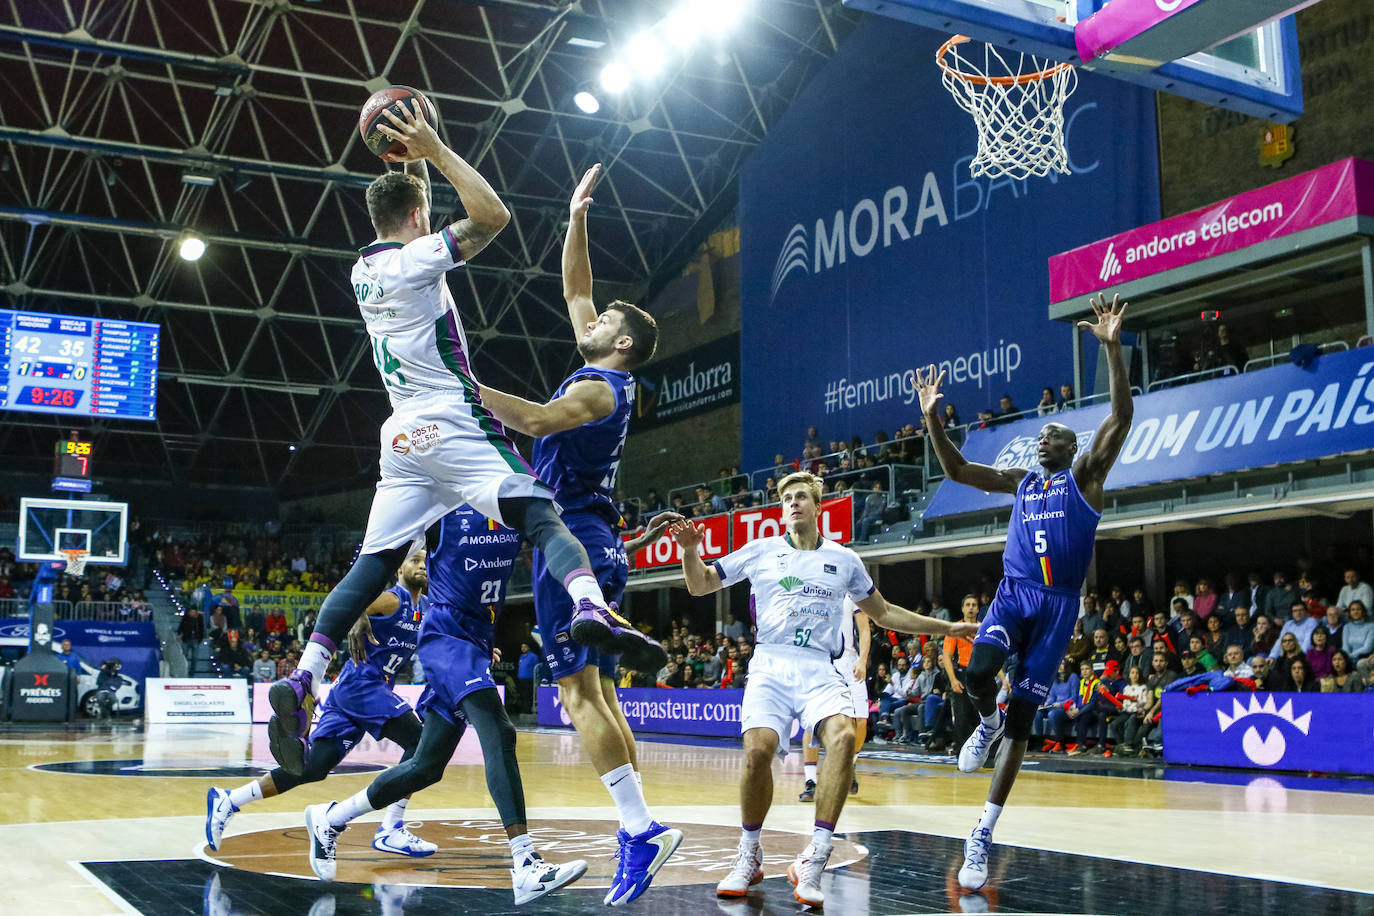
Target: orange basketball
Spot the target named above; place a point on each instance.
(391, 98)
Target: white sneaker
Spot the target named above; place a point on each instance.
(218, 810)
(323, 839)
(975, 751)
(805, 874)
(745, 873)
(402, 842)
(536, 878)
(974, 873)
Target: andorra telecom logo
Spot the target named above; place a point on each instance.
(1270, 749)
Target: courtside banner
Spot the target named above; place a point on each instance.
(290, 604)
(1333, 192)
(687, 384)
(668, 710)
(1273, 416)
(868, 251)
(836, 522)
(171, 700)
(1325, 732)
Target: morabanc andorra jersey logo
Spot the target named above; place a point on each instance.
(789, 583)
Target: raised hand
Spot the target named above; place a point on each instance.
(582, 199)
(414, 131)
(357, 649)
(1110, 318)
(686, 534)
(928, 388)
(659, 524)
(962, 630)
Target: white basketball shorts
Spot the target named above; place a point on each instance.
(439, 452)
(787, 683)
(858, 690)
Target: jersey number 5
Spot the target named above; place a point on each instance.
(1041, 544)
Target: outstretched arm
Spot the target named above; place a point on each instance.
(577, 264)
(701, 579)
(584, 402)
(657, 526)
(904, 621)
(958, 468)
(486, 214)
(1090, 471)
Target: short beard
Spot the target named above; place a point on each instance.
(590, 351)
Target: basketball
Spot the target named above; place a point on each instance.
(372, 115)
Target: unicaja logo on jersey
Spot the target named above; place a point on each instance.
(1111, 264)
(1270, 749)
(789, 583)
(793, 256)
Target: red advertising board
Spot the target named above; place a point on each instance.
(836, 522)
(666, 552)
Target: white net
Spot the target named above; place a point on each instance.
(76, 561)
(1017, 103)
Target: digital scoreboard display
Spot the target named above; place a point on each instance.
(77, 366)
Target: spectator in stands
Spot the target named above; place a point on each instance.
(1235, 596)
(255, 619)
(1344, 678)
(1264, 636)
(1257, 592)
(1357, 636)
(711, 668)
(1229, 352)
(1319, 655)
(1300, 678)
(1080, 644)
(899, 683)
(1133, 696)
(1279, 598)
(305, 626)
(1066, 398)
(1289, 648)
(1046, 405)
(1205, 600)
(1354, 590)
(1160, 638)
(985, 419)
(1266, 677)
(1061, 693)
(1102, 652)
(1183, 590)
(275, 624)
(191, 631)
(264, 669)
(233, 658)
(1092, 620)
(67, 657)
(1083, 715)
(1334, 624)
(524, 675)
(734, 628)
(219, 624)
(1214, 635)
(1235, 662)
(1006, 412)
(1300, 627)
(1137, 657)
(929, 690)
(1241, 631)
(1205, 659)
(6, 588)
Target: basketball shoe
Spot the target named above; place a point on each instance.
(218, 810)
(402, 842)
(535, 877)
(975, 751)
(641, 856)
(805, 874)
(745, 873)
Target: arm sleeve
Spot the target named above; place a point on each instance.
(737, 566)
(429, 257)
(860, 582)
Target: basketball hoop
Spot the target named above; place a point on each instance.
(76, 561)
(1018, 110)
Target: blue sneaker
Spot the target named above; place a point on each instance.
(641, 856)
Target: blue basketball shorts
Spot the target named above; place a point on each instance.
(455, 649)
(1034, 623)
(553, 608)
(356, 706)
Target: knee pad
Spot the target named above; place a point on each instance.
(983, 666)
(1020, 716)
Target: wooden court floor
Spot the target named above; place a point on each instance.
(111, 820)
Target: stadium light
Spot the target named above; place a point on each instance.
(645, 54)
(191, 248)
(586, 101)
(683, 27)
(720, 16)
(615, 79)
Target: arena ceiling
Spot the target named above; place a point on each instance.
(266, 377)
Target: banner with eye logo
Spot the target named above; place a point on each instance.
(1322, 732)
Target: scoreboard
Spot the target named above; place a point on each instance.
(78, 366)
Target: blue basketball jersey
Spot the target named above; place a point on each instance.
(468, 572)
(397, 635)
(1050, 537)
(580, 464)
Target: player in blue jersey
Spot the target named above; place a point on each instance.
(1049, 545)
(361, 701)
(580, 437)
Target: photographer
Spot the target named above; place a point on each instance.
(107, 684)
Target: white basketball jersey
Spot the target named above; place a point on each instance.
(418, 343)
(798, 595)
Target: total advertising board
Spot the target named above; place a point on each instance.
(732, 530)
(868, 251)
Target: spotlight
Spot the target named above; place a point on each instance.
(290, 448)
(587, 102)
(615, 79)
(645, 54)
(192, 247)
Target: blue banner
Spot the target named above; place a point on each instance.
(868, 251)
(1274, 416)
(135, 644)
(674, 711)
(1323, 732)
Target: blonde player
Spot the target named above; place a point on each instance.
(441, 447)
(857, 640)
(798, 583)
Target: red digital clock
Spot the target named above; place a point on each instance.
(50, 397)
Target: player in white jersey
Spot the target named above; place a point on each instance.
(798, 583)
(441, 447)
(853, 660)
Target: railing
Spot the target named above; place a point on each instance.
(109, 611)
(688, 492)
(19, 607)
(1264, 362)
(1174, 381)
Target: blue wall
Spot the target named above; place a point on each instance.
(953, 270)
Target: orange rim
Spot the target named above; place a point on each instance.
(1024, 78)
